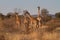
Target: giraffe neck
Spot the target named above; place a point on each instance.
(25, 20)
(38, 17)
(17, 20)
(38, 13)
(31, 18)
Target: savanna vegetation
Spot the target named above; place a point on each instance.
(51, 24)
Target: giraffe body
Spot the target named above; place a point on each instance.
(39, 18)
(33, 21)
(17, 21)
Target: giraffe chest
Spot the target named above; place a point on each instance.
(38, 18)
(25, 21)
(18, 22)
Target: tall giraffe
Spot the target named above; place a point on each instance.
(25, 19)
(39, 17)
(33, 21)
(26, 24)
(17, 20)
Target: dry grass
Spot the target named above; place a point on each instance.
(7, 32)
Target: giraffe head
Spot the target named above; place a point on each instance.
(16, 13)
(26, 12)
(38, 11)
(38, 7)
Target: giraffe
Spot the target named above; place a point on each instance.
(17, 20)
(33, 21)
(26, 24)
(25, 19)
(39, 17)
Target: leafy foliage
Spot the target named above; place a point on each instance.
(45, 15)
(1, 16)
(57, 15)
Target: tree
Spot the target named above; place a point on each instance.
(44, 12)
(57, 15)
(1, 16)
(45, 15)
(10, 14)
(17, 10)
